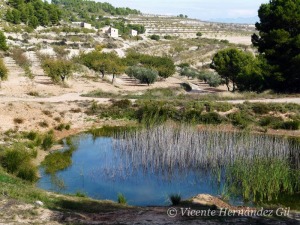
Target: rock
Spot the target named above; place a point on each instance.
(211, 201)
(39, 203)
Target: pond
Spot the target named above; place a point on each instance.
(149, 165)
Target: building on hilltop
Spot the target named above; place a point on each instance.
(133, 33)
(113, 32)
(82, 24)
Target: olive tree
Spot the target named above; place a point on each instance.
(58, 70)
(144, 75)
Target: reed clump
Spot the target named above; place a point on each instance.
(258, 165)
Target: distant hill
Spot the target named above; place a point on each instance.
(86, 9)
(243, 20)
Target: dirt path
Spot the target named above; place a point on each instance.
(69, 97)
(276, 100)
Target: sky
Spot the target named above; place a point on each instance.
(199, 9)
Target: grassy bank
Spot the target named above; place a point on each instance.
(252, 116)
(19, 189)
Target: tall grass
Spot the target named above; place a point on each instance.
(259, 166)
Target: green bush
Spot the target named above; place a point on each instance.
(163, 65)
(211, 118)
(144, 75)
(68, 127)
(57, 70)
(28, 172)
(155, 37)
(189, 72)
(3, 71)
(48, 141)
(288, 125)
(240, 119)
(14, 158)
(260, 108)
(123, 104)
(32, 135)
(3, 45)
(270, 121)
(60, 127)
(122, 199)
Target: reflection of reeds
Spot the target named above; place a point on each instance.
(167, 147)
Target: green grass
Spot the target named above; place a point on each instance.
(149, 112)
(263, 180)
(121, 199)
(27, 192)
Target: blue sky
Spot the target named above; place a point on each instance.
(200, 9)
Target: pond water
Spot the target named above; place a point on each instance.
(146, 175)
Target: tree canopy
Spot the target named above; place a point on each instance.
(3, 45)
(58, 69)
(144, 75)
(279, 42)
(163, 65)
(33, 13)
(237, 68)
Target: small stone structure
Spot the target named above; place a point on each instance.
(133, 33)
(113, 32)
(82, 24)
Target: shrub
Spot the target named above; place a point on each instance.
(214, 79)
(123, 104)
(144, 75)
(80, 194)
(182, 65)
(168, 37)
(48, 141)
(163, 65)
(189, 72)
(155, 37)
(270, 121)
(43, 124)
(60, 127)
(57, 70)
(199, 34)
(121, 199)
(68, 127)
(175, 199)
(14, 158)
(3, 71)
(260, 108)
(240, 119)
(18, 55)
(3, 45)
(28, 172)
(32, 135)
(288, 125)
(18, 120)
(211, 118)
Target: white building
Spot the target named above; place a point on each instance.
(113, 32)
(82, 24)
(133, 33)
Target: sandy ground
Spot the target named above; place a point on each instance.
(55, 104)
